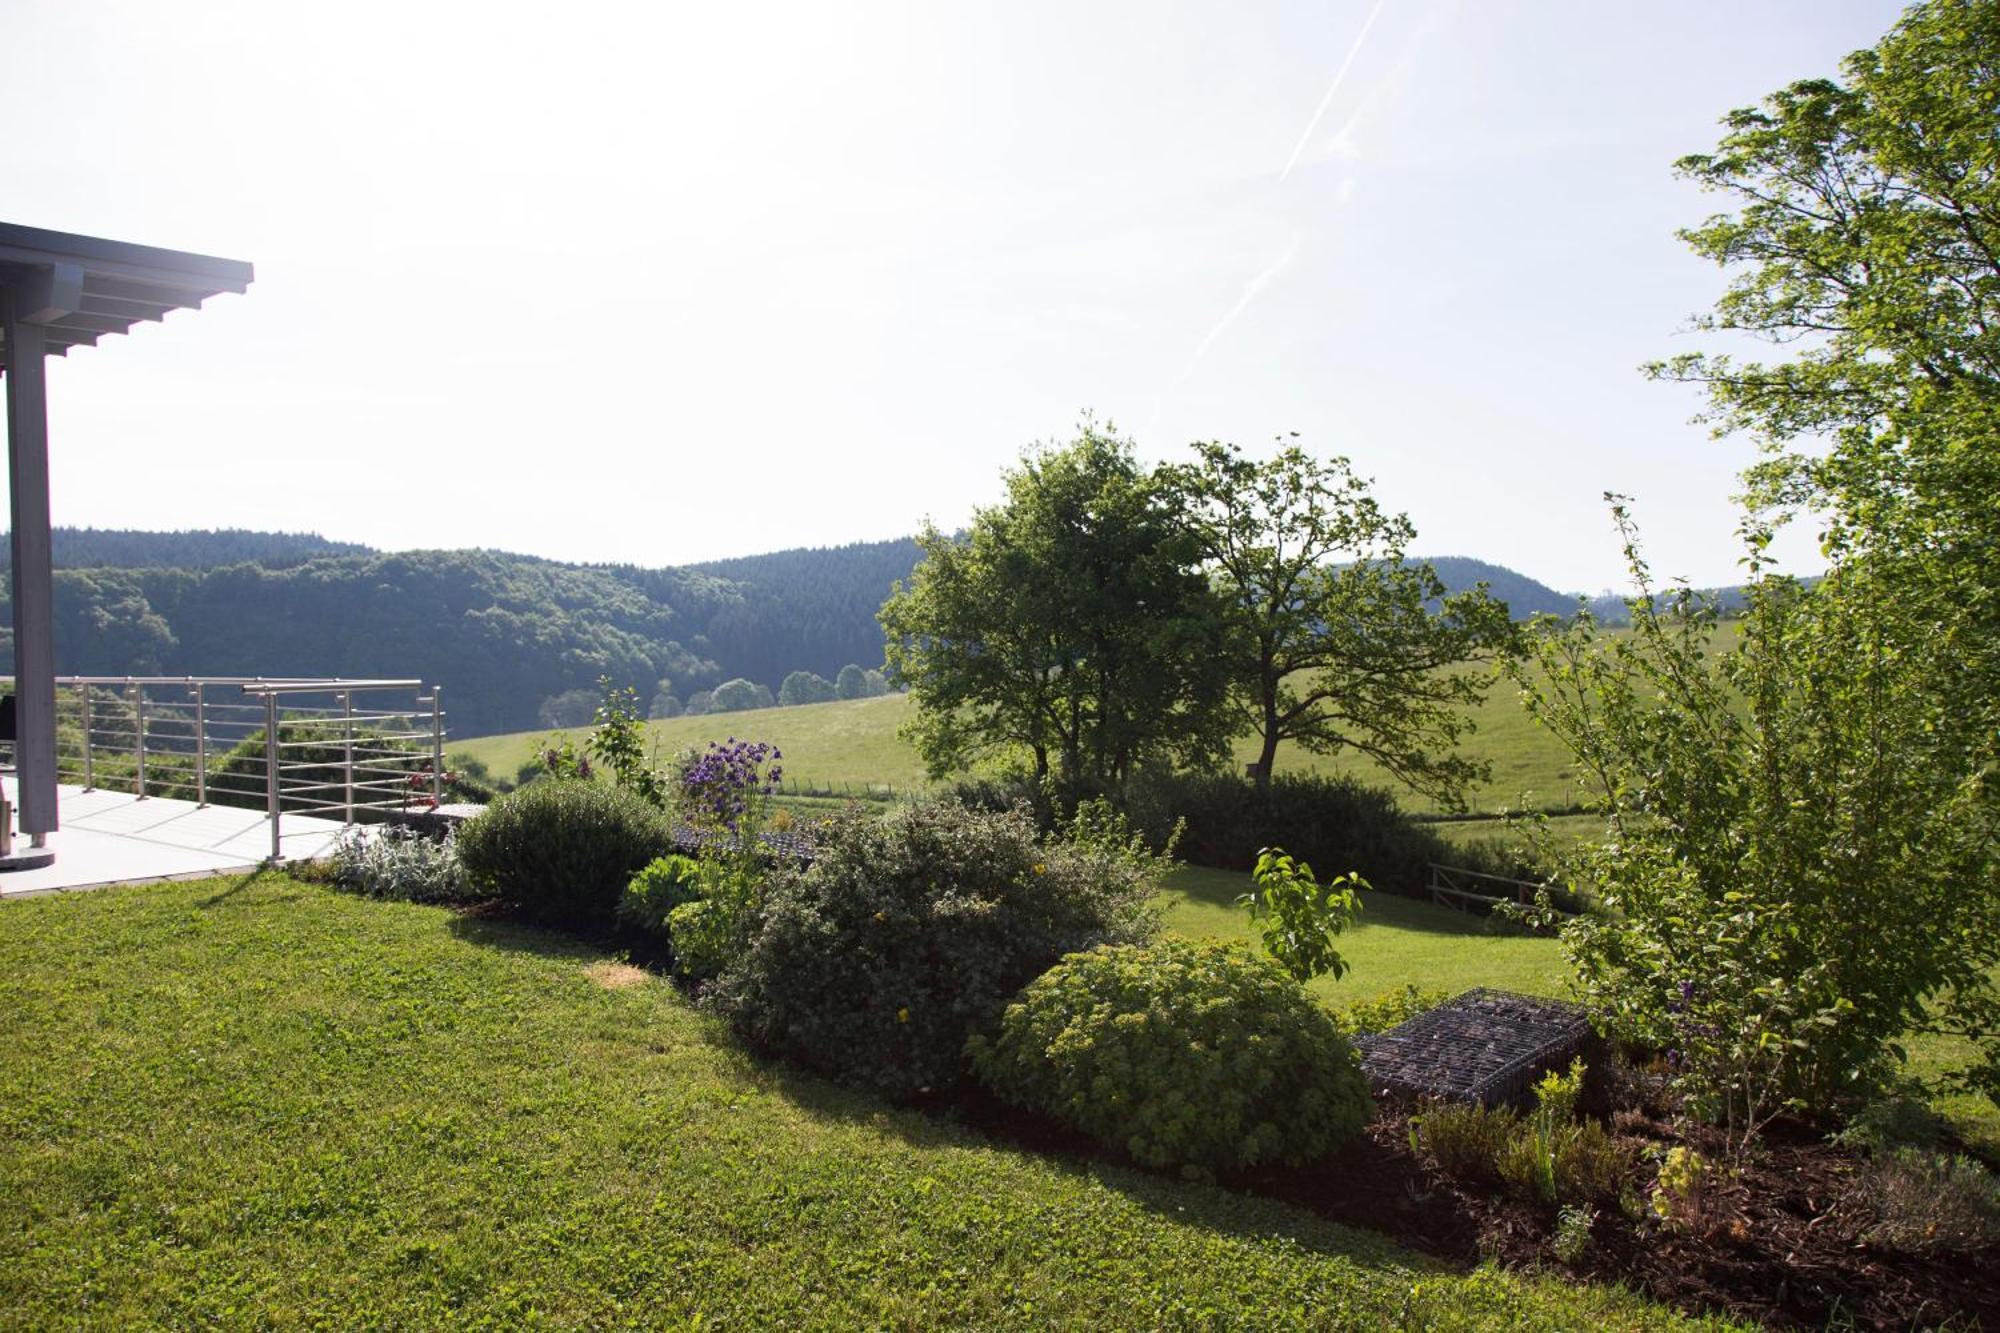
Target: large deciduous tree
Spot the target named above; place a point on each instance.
(1865, 242)
(1806, 860)
(1069, 625)
(1332, 637)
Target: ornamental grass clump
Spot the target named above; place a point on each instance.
(1192, 1057)
(909, 933)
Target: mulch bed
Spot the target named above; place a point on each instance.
(1783, 1247)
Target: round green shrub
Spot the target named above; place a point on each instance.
(911, 931)
(651, 896)
(1192, 1056)
(563, 850)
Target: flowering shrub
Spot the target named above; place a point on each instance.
(396, 863)
(910, 932)
(724, 787)
(1196, 1056)
(563, 850)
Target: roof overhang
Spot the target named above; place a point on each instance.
(82, 288)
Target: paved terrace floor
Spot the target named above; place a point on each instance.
(115, 838)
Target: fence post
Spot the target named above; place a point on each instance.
(437, 746)
(89, 772)
(200, 746)
(139, 735)
(271, 804)
(347, 749)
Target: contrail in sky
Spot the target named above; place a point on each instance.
(1250, 291)
(1333, 87)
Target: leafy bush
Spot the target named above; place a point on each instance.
(1571, 1242)
(1929, 1203)
(389, 862)
(1683, 1194)
(1324, 820)
(620, 741)
(712, 931)
(1801, 866)
(563, 850)
(665, 883)
(1197, 1056)
(1391, 1008)
(910, 932)
(1548, 1157)
(1890, 1123)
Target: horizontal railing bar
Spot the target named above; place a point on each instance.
(332, 686)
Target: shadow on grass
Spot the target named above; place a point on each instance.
(264, 876)
(1379, 907)
(970, 1118)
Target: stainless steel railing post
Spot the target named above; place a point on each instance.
(437, 745)
(347, 749)
(139, 737)
(200, 746)
(89, 772)
(271, 771)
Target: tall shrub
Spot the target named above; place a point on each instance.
(910, 932)
(1802, 865)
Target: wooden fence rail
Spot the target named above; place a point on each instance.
(1469, 890)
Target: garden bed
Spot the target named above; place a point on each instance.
(1783, 1246)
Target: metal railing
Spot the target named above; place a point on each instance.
(357, 750)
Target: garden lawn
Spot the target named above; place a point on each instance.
(1396, 941)
(260, 1102)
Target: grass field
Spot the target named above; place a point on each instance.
(263, 1103)
(1395, 942)
(853, 744)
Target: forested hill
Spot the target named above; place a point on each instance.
(502, 632)
(130, 548)
(1525, 597)
(811, 608)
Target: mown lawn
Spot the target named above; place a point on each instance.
(1396, 941)
(261, 1102)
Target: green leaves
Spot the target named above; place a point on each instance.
(1333, 638)
(1297, 919)
(1068, 627)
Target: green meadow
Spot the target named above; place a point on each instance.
(854, 745)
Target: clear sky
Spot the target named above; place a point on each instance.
(662, 283)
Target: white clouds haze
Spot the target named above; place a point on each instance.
(669, 282)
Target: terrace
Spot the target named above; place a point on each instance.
(187, 776)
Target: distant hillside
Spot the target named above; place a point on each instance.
(502, 632)
(805, 609)
(1525, 597)
(130, 548)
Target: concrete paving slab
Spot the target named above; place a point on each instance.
(116, 838)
